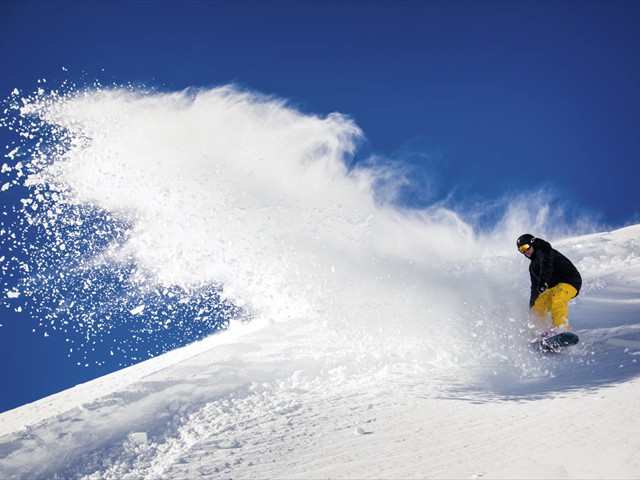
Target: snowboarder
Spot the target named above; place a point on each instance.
(554, 281)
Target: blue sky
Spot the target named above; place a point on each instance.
(484, 99)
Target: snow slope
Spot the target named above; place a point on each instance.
(296, 400)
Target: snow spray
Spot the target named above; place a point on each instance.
(192, 208)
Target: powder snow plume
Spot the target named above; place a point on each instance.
(153, 210)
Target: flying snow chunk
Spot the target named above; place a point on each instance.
(13, 294)
(137, 310)
(138, 437)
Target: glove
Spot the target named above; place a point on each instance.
(543, 287)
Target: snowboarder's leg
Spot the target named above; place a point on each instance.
(541, 309)
(560, 296)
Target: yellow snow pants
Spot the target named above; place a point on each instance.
(556, 301)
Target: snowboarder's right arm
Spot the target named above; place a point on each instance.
(546, 256)
(534, 291)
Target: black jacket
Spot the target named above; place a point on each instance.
(551, 267)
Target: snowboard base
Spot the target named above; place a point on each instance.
(556, 343)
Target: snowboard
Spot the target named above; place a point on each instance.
(556, 343)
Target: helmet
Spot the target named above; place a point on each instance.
(526, 239)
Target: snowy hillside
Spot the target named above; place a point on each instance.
(299, 400)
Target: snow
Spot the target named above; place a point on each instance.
(383, 343)
(291, 400)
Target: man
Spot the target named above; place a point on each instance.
(554, 281)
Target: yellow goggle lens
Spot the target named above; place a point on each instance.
(524, 248)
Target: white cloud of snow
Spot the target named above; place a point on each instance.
(237, 189)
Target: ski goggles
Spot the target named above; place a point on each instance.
(524, 248)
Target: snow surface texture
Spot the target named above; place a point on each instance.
(384, 343)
